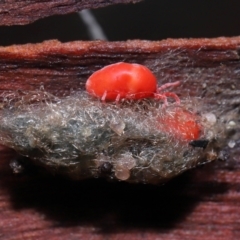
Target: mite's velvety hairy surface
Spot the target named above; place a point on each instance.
(134, 141)
(127, 81)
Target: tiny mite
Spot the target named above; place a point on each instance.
(127, 81)
(183, 125)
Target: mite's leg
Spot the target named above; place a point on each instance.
(164, 95)
(167, 85)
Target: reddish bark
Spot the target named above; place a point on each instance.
(63, 66)
(23, 12)
(201, 204)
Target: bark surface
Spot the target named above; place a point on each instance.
(23, 12)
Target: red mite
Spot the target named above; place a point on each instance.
(127, 81)
(181, 124)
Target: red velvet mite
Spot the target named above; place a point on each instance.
(127, 80)
(182, 124)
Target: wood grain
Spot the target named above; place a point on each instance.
(15, 12)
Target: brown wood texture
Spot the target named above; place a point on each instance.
(61, 67)
(200, 204)
(23, 12)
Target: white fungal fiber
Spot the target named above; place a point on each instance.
(82, 137)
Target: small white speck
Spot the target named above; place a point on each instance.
(231, 144)
(117, 127)
(210, 118)
(231, 124)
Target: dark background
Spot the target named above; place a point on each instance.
(150, 19)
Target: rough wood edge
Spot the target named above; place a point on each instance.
(21, 12)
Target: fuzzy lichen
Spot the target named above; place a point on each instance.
(135, 141)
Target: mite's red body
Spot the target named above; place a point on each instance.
(124, 80)
(181, 124)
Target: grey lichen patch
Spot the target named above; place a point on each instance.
(81, 137)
